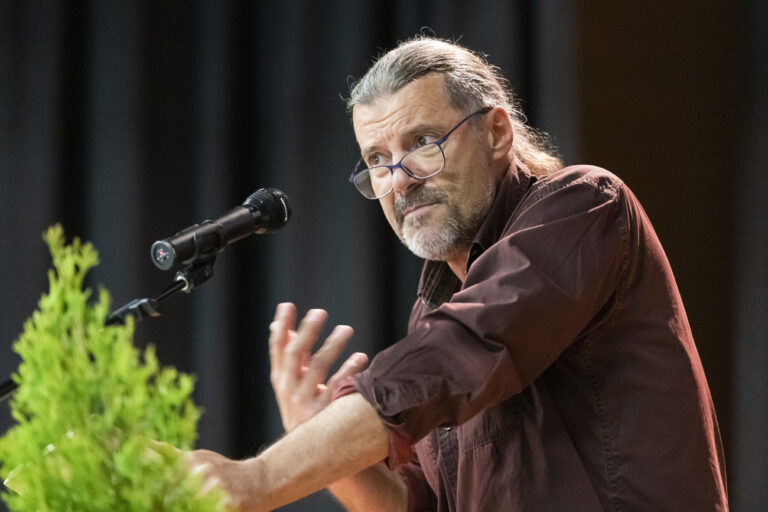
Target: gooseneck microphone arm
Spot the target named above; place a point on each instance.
(264, 211)
(185, 280)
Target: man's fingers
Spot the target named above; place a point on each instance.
(354, 364)
(279, 333)
(210, 483)
(301, 344)
(325, 357)
(166, 450)
(200, 467)
(209, 465)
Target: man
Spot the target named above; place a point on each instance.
(549, 365)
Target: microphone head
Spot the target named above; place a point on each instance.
(273, 207)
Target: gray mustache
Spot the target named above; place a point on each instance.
(415, 198)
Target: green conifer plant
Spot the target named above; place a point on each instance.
(90, 407)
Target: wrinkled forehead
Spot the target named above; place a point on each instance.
(422, 101)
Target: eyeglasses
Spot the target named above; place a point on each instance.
(421, 163)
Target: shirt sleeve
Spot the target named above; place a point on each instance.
(550, 279)
(399, 449)
(420, 496)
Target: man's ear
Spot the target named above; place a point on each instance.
(500, 133)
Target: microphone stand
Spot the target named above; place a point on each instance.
(186, 280)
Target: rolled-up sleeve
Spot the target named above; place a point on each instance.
(420, 497)
(552, 275)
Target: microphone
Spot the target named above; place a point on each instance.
(265, 211)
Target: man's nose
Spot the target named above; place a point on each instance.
(402, 182)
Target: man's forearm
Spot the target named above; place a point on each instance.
(341, 440)
(374, 489)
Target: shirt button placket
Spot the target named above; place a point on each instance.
(449, 457)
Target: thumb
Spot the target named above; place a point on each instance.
(353, 365)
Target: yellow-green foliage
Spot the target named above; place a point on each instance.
(88, 406)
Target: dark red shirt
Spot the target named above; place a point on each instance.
(562, 375)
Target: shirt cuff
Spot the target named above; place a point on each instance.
(398, 442)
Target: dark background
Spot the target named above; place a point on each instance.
(127, 121)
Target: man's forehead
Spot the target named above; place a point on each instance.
(425, 91)
(421, 101)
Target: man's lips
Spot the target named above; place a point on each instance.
(416, 208)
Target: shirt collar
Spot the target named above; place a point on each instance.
(438, 283)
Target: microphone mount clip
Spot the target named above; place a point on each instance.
(186, 280)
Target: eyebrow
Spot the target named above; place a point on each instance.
(369, 151)
(410, 132)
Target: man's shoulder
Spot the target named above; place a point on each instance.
(580, 177)
(569, 191)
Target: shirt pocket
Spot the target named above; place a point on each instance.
(492, 425)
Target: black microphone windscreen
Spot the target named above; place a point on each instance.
(274, 207)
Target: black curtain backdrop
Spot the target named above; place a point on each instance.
(127, 121)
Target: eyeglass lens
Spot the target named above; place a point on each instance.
(422, 162)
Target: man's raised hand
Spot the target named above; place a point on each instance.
(298, 376)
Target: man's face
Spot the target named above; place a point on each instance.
(436, 218)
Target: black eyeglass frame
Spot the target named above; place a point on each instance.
(399, 164)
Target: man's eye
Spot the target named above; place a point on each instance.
(374, 160)
(422, 140)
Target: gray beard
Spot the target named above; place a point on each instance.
(442, 242)
(439, 243)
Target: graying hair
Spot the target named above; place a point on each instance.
(471, 83)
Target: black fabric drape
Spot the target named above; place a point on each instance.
(127, 121)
